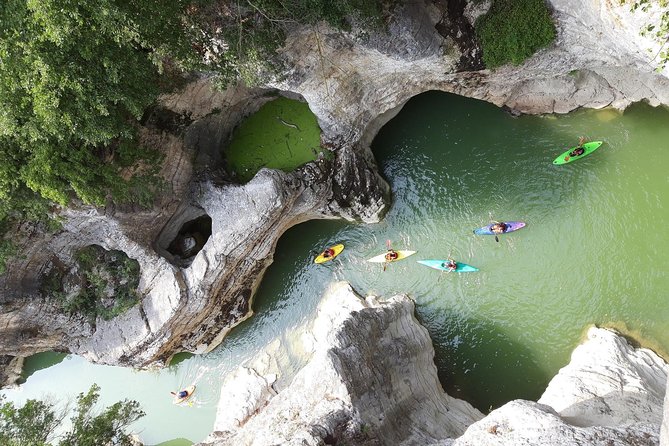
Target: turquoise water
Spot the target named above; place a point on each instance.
(593, 251)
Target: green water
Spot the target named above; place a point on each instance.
(283, 134)
(593, 251)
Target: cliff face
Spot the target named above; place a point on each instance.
(371, 380)
(187, 303)
(609, 394)
(354, 84)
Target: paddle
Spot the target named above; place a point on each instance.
(385, 264)
(496, 238)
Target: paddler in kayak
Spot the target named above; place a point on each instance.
(327, 253)
(579, 150)
(450, 264)
(181, 395)
(391, 255)
(499, 227)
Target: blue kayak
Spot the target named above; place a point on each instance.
(441, 265)
(510, 227)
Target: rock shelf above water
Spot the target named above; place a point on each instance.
(370, 379)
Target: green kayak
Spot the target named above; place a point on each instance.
(588, 147)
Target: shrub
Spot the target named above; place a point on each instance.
(107, 284)
(513, 30)
(36, 423)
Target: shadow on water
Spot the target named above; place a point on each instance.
(469, 352)
(39, 361)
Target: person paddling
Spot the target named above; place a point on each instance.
(450, 264)
(181, 394)
(329, 252)
(579, 150)
(391, 255)
(499, 227)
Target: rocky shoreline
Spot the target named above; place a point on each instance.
(371, 380)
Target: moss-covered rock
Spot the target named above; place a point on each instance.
(283, 134)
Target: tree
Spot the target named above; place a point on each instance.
(35, 423)
(658, 31)
(105, 428)
(75, 77)
(32, 424)
(252, 30)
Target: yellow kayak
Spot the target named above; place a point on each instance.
(321, 258)
(381, 258)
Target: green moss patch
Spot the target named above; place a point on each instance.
(283, 134)
(513, 30)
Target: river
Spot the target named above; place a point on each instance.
(593, 251)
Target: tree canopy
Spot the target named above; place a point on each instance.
(36, 423)
(74, 77)
(658, 31)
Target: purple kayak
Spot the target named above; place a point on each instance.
(510, 227)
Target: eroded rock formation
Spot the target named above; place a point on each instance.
(371, 380)
(609, 394)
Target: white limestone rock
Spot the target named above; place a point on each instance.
(370, 379)
(609, 383)
(664, 432)
(610, 394)
(528, 423)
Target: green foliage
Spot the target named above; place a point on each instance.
(659, 32)
(7, 250)
(75, 77)
(31, 424)
(35, 423)
(254, 30)
(513, 30)
(108, 281)
(105, 428)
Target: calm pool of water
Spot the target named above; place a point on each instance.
(593, 251)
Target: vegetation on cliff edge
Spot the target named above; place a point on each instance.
(103, 283)
(513, 30)
(77, 77)
(658, 31)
